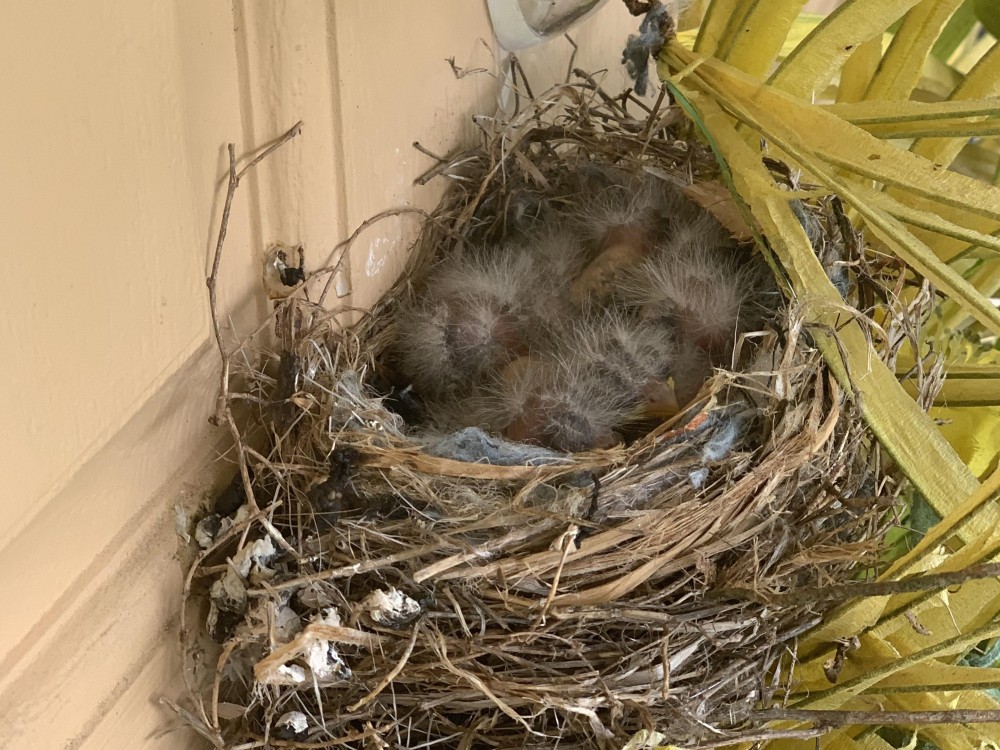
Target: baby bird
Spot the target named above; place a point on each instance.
(621, 219)
(628, 355)
(472, 319)
(551, 403)
(600, 374)
(559, 256)
(587, 323)
(700, 283)
(617, 208)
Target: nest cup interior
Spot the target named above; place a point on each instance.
(435, 567)
(596, 308)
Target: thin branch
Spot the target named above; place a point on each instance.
(392, 675)
(223, 409)
(765, 736)
(572, 58)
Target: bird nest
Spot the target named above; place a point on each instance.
(390, 583)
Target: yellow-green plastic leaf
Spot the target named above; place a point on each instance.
(814, 63)
(970, 53)
(973, 605)
(981, 82)
(916, 254)
(937, 129)
(878, 113)
(945, 247)
(713, 27)
(952, 316)
(938, 81)
(975, 433)
(929, 220)
(828, 698)
(894, 417)
(966, 393)
(832, 140)
(955, 31)
(799, 126)
(801, 28)
(838, 739)
(932, 675)
(783, 119)
(900, 68)
(759, 36)
(956, 515)
(691, 14)
(947, 735)
(858, 70)
(988, 12)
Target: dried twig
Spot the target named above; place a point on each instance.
(224, 412)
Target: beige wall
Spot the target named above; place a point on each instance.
(116, 113)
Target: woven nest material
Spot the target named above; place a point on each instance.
(385, 589)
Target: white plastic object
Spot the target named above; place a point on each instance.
(519, 24)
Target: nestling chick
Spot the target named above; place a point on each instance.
(471, 320)
(699, 282)
(617, 208)
(622, 221)
(599, 374)
(585, 325)
(630, 356)
(559, 256)
(552, 403)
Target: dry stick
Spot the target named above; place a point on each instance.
(194, 722)
(427, 152)
(392, 674)
(442, 167)
(568, 543)
(227, 651)
(213, 281)
(337, 742)
(846, 591)
(665, 657)
(609, 102)
(876, 718)
(572, 58)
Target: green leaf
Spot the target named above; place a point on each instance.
(814, 63)
(899, 71)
